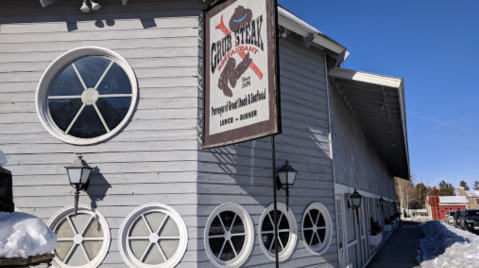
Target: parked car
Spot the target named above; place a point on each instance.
(469, 220)
(450, 217)
(456, 218)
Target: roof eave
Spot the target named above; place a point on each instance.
(381, 80)
(293, 23)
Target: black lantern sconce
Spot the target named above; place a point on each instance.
(381, 203)
(285, 179)
(79, 175)
(356, 202)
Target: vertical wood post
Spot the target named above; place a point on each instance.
(275, 206)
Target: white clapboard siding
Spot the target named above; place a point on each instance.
(242, 173)
(154, 158)
(356, 162)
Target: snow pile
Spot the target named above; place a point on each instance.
(447, 246)
(23, 235)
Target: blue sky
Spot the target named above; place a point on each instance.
(434, 46)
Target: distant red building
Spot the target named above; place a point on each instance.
(437, 207)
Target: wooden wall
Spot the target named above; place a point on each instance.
(242, 173)
(356, 162)
(154, 159)
(157, 157)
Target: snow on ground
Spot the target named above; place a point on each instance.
(23, 235)
(447, 246)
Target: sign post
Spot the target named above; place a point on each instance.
(241, 88)
(240, 72)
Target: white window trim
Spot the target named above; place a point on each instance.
(82, 208)
(125, 250)
(56, 66)
(293, 237)
(249, 238)
(329, 227)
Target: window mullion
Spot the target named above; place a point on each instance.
(69, 255)
(75, 118)
(232, 247)
(142, 259)
(84, 252)
(104, 74)
(222, 224)
(147, 224)
(162, 224)
(86, 227)
(79, 76)
(101, 118)
(72, 225)
(161, 251)
(222, 248)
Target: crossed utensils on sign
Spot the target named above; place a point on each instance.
(222, 27)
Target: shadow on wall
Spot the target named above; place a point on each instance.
(105, 17)
(98, 187)
(249, 163)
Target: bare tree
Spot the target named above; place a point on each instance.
(406, 193)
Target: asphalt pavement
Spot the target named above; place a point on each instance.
(401, 249)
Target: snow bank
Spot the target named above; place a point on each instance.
(23, 235)
(447, 246)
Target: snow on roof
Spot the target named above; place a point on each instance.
(472, 193)
(453, 200)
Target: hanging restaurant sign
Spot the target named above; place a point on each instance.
(240, 72)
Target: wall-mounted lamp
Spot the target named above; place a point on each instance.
(285, 179)
(94, 6)
(381, 203)
(356, 202)
(79, 175)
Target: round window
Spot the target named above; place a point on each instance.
(229, 235)
(317, 228)
(153, 235)
(83, 240)
(287, 232)
(86, 95)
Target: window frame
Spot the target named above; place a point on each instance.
(249, 237)
(56, 67)
(293, 237)
(60, 215)
(131, 218)
(329, 228)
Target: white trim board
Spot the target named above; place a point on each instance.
(376, 79)
(343, 189)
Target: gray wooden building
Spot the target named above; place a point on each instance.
(121, 86)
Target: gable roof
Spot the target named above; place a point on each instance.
(472, 193)
(453, 200)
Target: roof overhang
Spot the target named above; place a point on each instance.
(291, 22)
(311, 35)
(378, 103)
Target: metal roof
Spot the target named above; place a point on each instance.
(377, 101)
(453, 200)
(472, 193)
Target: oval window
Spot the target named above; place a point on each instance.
(317, 228)
(287, 232)
(229, 235)
(83, 240)
(153, 235)
(86, 95)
